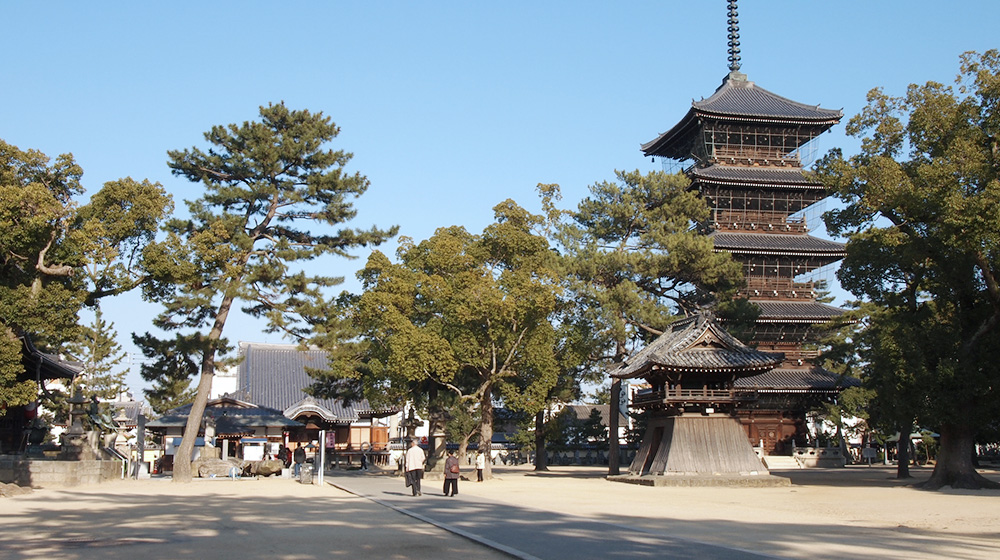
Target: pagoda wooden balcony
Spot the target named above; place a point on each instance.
(680, 397)
(753, 156)
(801, 356)
(779, 288)
(759, 221)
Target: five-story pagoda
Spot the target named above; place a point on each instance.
(747, 147)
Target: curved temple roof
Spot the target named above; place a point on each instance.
(275, 376)
(812, 379)
(777, 244)
(805, 312)
(738, 100)
(697, 344)
(759, 177)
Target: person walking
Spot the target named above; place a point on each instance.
(451, 473)
(480, 465)
(413, 462)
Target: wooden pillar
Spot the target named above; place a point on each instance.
(613, 459)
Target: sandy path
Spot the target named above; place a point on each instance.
(844, 513)
(218, 519)
(853, 512)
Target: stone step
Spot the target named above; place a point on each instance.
(780, 462)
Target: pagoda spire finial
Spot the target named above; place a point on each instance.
(734, 37)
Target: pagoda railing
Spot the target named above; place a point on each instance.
(781, 288)
(767, 156)
(760, 221)
(691, 396)
(801, 356)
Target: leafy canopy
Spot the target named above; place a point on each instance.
(274, 198)
(57, 255)
(920, 211)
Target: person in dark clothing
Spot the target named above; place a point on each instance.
(452, 472)
(300, 457)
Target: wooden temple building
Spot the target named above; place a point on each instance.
(743, 149)
(693, 402)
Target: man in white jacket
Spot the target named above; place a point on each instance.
(413, 463)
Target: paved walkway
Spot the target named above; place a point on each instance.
(527, 533)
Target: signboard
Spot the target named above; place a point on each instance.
(331, 439)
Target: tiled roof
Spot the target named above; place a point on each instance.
(231, 419)
(697, 344)
(755, 176)
(777, 244)
(803, 380)
(274, 376)
(741, 98)
(795, 311)
(47, 366)
(132, 410)
(582, 412)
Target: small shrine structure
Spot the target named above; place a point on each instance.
(693, 434)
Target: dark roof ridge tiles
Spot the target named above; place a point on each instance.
(802, 379)
(776, 243)
(795, 311)
(755, 176)
(274, 375)
(697, 343)
(741, 97)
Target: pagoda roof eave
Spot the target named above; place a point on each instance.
(739, 100)
(755, 177)
(666, 368)
(778, 244)
(805, 312)
(698, 345)
(813, 379)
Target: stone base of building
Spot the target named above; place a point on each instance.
(696, 445)
(47, 473)
(749, 481)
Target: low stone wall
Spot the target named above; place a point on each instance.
(820, 457)
(45, 473)
(589, 457)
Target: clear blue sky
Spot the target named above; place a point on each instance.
(448, 107)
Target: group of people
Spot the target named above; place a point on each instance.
(413, 466)
(287, 456)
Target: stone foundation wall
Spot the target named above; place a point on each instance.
(44, 473)
(821, 457)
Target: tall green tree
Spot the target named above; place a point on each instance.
(462, 314)
(57, 255)
(921, 216)
(636, 260)
(273, 199)
(170, 365)
(98, 348)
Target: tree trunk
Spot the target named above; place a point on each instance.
(436, 438)
(903, 452)
(541, 460)
(436, 442)
(613, 444)
(182, 457)
(463, 447)
(954, 461)
(486, 431)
